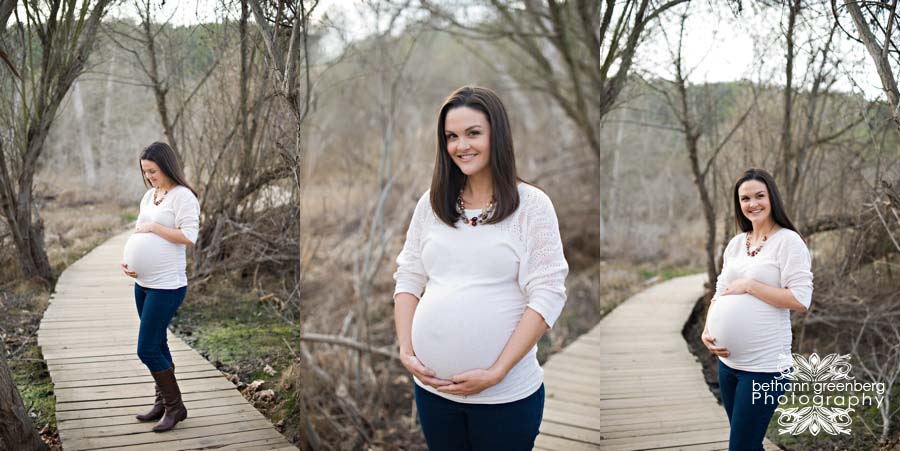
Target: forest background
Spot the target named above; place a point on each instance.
(308, 129)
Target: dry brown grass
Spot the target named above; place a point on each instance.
(343, 394)
(75, 222)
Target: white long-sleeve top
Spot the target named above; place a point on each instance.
(158, 262)
(477, 283)
(758, 334)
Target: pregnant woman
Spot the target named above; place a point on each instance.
(766, 274)
(485, 249)
(155, 258)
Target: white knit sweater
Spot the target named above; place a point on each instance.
(158, 262)
(477, 283)
(758, 334)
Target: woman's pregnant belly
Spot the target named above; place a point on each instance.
(456, 330)
(744, 325)
(145, 254)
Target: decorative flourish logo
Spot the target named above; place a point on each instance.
(797, 420)
(832, 367)
(816, 418)
(821, 394)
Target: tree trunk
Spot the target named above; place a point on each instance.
(692, 134)
(27, 232)
(29, 224)
(107, 104)
(247, 166)
(614, 183)
(57, 74)
(709, 213)
(84, 141)
(28, 237)
(6, 9)
(16, 430)
(692, 143)
(879, 57)
(787, 145)
(160, 88)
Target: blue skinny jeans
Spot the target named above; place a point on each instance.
(156, 307)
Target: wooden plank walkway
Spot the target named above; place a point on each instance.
(89, 338)
(632, 384)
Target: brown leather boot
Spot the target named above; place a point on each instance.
(156, 412)
(175, 409)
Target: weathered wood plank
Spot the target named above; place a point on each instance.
(138, 428)
(89, 338)
(631, 383)
(116, 372)
(207, 442)
(164, 440)
(553, 443)
(140, 405)
(136, 390)
(257, 445)
(128, 418)
(147, 378)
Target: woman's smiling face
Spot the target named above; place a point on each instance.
(754, 197)
(468, 135)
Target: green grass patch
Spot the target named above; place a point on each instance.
(33, 381)
(247, 344)
(241, 335)
(646, 273)
(668, 272)
(228, 324)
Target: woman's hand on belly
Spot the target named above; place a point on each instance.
(128, 272)
(710, 342)
(144, 227)
(772, 295)
(738, 286)
(421, 372)
(473, 382)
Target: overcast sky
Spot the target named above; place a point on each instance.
(718, 47)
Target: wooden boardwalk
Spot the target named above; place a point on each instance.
(632, 384)
(89, 338)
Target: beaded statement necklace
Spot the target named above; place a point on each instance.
(475, 220)
(758, 248)
(156, 194)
